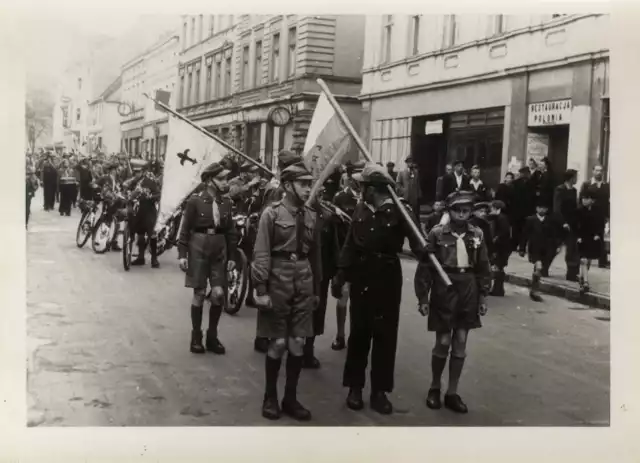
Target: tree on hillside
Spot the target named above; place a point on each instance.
(38, 113)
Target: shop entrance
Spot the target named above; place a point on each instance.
(552, 142)
(428, 147)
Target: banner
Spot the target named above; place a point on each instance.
(188, 153)
(326, 137)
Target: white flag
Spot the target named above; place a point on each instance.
(189, 152)
(327, 136)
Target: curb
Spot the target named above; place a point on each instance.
(595, 300)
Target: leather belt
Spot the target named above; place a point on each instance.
(207, 231)
(294, 256)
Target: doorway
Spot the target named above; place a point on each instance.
(428, 148)
(557, 138)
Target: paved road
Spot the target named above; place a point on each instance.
(109, 348)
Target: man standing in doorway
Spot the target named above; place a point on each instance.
(456, 181)
(409, 186)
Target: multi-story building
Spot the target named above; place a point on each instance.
(493, 90)
(104, 120)
(144, 128)
(251, 79)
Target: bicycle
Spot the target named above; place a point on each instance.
(105, 226)
(91, 212)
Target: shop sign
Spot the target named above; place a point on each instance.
(550, 113)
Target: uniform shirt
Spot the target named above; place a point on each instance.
(199, 214)
(442, 242)
(277, 233)
(377, 231)
(272, 193)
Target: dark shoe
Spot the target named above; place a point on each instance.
(270, 408)
(261, 345)
(354, 399)
(249, 302)
(380, 403)
(139, 261)
(196, 342)
(214, 345)
(311, 363)
(572, 277)
(434, 401)
(155, 264)
(535, 297)
(295, 410)
(454, 402)
(338, 344)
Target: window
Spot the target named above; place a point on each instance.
(415, 35)
(193, 32)
(184, 35)
(200, 27)
(79, 83)
(291, 60)
(212, 25)
(78, 114)
(181, 94)
(451, 30)
(386, 38)
(275, 57)
(246, 78)
(196, 90)
(227, 78)
(189, 88)
(258, 64)
(498, 24)
(208, 85)
(391, 141)
(65, 117)
(218, 76)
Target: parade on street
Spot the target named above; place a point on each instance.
(219, 235)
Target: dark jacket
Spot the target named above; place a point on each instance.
(589, 224)
(602, 197)
(544, 188)
(432, 220)
(485, 226)
(501, 235)
(506, 193)
(449, 185)
(565, 205)
(482, 192)
(523, 204)
(540, 238)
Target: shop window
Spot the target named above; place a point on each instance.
(391, 141)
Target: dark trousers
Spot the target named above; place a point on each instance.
(66, 198)
(320, 313)
(49, 195)
(74, 194)
(29, 197)
(376, 292)
(572, 257)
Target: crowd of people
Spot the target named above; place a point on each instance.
(346, 243)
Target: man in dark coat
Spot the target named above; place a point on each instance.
(435, 217)
(49, 182)
(456, 181)
(477, 186)
(524, 204)
(505, 193)
(501, 247)
(601, 202)
(565, 208)
(452, 312)
(409, 187)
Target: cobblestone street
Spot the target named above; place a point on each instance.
(110, 348)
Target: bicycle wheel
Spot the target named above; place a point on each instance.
(101, 236)
(127, 245)
(84, 229)
(237, 280)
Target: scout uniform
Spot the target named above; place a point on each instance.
(272, 192)
(369, 262)
(462, 252)
(207, 239)
(286, 267)
(146, 188)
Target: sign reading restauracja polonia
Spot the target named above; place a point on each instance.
(550, 113)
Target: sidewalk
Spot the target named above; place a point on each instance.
(519, 273)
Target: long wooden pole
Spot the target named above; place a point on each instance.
(405, 214)
(210, 135)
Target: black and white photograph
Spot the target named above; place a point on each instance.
(318, 220)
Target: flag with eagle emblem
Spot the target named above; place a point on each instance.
(188, 153)
(327, 136)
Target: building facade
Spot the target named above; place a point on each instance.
(144, 128)
(491, 90)
(251, 79)
(104, 120)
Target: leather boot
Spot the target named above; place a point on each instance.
(535, 284)
(270, 407)
(380, 403)
(142, 247)
(196, 342)
(309, 359)
(290, 404)
(354, 399)
(454, 402)
(153, 246)
(213, 343)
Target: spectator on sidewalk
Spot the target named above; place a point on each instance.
(477, 185)
(67, 185)
(49, 182)
(540, 240)
(523, 204)
(390, 169)
(565, 206)
(448, 170)
(505, 193)
(456, 181)
(434, 218)
(590, 234)
(31, 188)
(545, 182)
(408, 186)
(601, 203)
(501, 246)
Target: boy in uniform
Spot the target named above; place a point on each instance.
(286, 274)
(452, 312)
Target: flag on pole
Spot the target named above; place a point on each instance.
(327, 136)
(189, 152)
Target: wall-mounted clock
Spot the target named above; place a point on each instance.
(279, 116)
